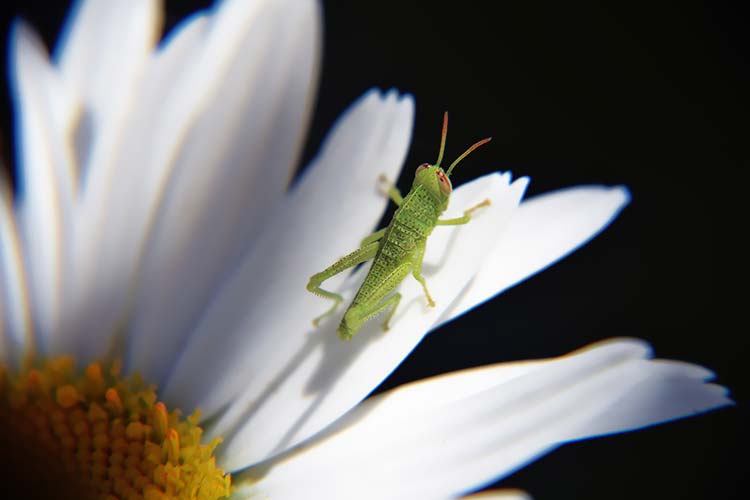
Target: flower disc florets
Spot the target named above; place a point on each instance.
(93, 434)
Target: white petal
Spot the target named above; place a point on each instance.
(230, 175)
(45, 183)
(454, 433)
(15, 325)
(327, 377)
(545, 229)
(261, 320)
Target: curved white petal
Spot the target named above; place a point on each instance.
(545, 229)
(451, 434)
(45, 180)
(326, 377)
(372, 136)
(230, 175)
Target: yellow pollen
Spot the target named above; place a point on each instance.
(67, 396)
(160, 420)
(113, 398)
(90, 434)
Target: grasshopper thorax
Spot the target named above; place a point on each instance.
(436, 180)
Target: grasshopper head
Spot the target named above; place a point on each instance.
(434, 178)
(436, 181)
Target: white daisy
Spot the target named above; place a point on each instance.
(152, 232)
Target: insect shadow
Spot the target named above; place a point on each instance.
(337, 357)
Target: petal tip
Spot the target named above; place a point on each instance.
(521, 183)
(689, 370)
(21, 36)
(634, 347)
(623, 195)
(407, 99)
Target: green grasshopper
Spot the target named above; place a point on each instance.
(398, 249)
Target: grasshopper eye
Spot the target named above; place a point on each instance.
(422, 167)
(444, 183)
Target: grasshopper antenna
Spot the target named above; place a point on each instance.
(466, 153)
(442, 139)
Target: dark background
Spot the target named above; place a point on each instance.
(643, 95)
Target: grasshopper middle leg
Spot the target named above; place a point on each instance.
(376, 236)
(417, 273)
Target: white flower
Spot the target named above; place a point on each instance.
(153, 220)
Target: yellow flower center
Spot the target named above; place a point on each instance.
(95, 435)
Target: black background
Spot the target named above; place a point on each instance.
(643, 95)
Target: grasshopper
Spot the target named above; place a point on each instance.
(398, 249)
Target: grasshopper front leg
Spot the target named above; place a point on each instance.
(365, 252)
(466, 217)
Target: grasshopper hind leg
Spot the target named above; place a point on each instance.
(337, 299)
(365, 252)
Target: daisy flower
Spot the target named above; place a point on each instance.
(156, 332)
